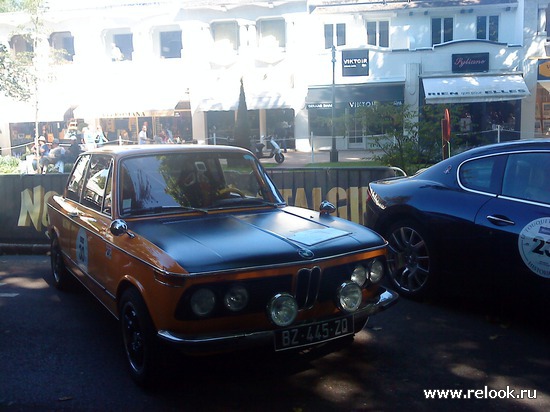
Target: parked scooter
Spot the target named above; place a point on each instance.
(268, 150)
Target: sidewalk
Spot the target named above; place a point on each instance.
(294, 158)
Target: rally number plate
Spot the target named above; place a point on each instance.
(313, 333)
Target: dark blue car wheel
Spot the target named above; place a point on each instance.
(411, 259)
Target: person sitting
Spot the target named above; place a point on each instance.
(55, 157)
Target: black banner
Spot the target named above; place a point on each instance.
(355, 62)
(23, 221)
(470, 63)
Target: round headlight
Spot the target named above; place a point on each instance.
(349, 296)
(282, 309)
(376, 271)
(203, 302)
(359, 275)
(236, 298)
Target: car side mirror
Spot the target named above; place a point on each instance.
(326, 208)
(119, 227)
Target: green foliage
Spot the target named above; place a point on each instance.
(14, 76)
(9, 165)
(242, 127)
(10, 5)
(405, 140)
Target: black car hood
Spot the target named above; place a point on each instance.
(230, 241)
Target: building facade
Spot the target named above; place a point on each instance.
(178, 66)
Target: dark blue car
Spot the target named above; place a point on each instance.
(481, 215)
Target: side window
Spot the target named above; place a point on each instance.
(480, 174)
(76, 180)
(95, 189)
(272, 33)
(527, 176)
(63, 42)
(442, 30)
(225, 34)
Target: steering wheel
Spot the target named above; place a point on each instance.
(227, 191)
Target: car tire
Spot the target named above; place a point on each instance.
(138, 336)
(60, 274)
(411, 259)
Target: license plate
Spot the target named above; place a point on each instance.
(313, 333)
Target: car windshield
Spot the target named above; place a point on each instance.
(198, 181)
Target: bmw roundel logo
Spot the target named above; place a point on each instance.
(306, 253)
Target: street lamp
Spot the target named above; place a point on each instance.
(333, 151)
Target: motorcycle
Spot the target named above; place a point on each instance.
(260, 150)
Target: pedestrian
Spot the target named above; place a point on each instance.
(169, 136)
(88, 139)
(100, 138)
(43, 151)
(142, 136)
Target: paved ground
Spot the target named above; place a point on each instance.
(61, 351)
(294, 158)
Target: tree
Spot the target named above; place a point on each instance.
(406, 140)
(14, 76)
(403, 140)
(242, 127)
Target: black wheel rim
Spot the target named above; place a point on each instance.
(409, 260)
(134, 338)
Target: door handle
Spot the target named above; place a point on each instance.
(500, 220)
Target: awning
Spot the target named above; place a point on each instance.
(212, 104)
(48, 111)
(354, 95)
(268, 101)
(473, 89)
(263, 101)
(133, 106)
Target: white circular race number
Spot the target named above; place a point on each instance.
(534, 246)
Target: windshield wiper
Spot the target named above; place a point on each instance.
(163, 209)
(243, 202)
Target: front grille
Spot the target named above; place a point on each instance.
(307, 286)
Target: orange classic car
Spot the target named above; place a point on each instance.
(194, 245)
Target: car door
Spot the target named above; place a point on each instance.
(519, 219)
(71, 206)
(92, 251)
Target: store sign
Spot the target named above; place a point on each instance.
(544, 70)
(355, 62)
(470, 63)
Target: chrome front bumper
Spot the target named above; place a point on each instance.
(234, 341)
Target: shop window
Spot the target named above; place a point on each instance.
(63, 43)
(280, 124)
(271, 33)
(220, 126)
(123, 46)
(442, 30)
(487, 28)
(340, 35)
(378, 33)
(170, 44)
(21, 44)
(544, 20)
(226, 34)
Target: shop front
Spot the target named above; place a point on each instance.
(269, 114)
(349, 130)
(122, 120)
(542, 113)
(487, 105)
